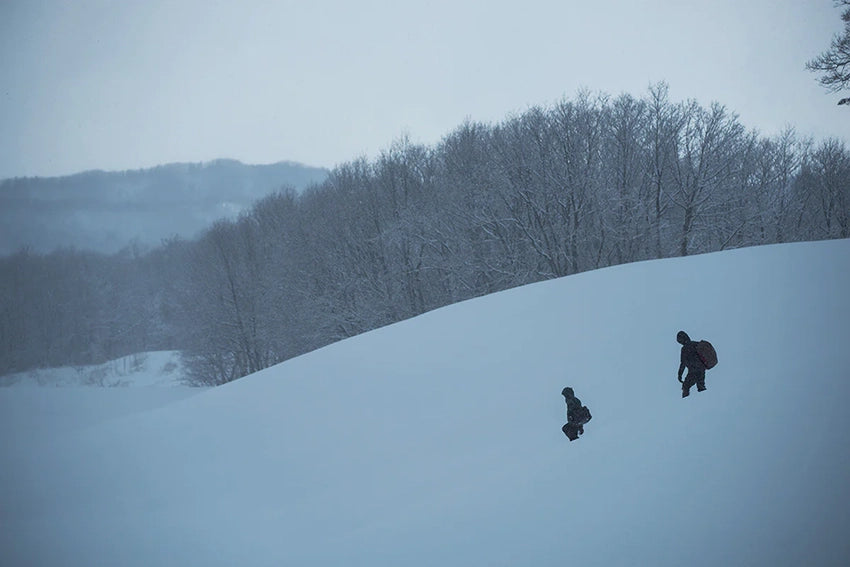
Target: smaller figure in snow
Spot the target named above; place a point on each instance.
(577, 415)
(697, 356)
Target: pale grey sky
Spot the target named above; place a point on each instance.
(98, 84)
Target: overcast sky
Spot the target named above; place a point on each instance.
(128, 84)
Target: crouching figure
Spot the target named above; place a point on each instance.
(577, 415)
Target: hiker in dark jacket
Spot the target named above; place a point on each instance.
(577, 415)
(690, 359)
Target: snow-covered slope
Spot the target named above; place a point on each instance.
(48, 401)
(437, 441)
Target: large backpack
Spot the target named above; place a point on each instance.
(707, 354)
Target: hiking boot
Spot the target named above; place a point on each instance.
(700, 389)
(685, 394)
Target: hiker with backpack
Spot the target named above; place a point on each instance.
(577, 415)
(697, 357)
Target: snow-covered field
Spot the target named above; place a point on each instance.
(437, 441)
(59, 399)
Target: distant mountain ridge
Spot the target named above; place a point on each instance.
(104, 211)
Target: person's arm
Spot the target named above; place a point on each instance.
(571, 406)
(682, 364)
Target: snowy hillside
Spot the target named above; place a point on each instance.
(50, 400)
(437, 441)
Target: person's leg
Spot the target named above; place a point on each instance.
(700, 380)
(687, 384)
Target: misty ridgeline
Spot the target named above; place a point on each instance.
(580, 185)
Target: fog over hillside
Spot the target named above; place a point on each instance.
(105, 211)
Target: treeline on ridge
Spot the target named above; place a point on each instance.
(579, 185)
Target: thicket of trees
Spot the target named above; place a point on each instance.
(73, 307)
(579, 185)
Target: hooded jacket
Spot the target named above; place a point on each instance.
(573, 405)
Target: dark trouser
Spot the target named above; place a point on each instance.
(572, 430)
(693, 377)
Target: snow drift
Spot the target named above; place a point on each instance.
(437, 441)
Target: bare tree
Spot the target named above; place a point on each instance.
(703, 168)
(665, 122)
(626, 207)
(826, 178)
(835, 62)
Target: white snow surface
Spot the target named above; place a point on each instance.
(50, 400)
(437, 440)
